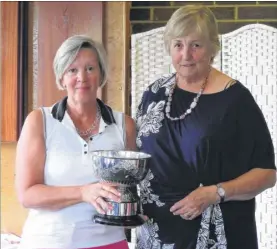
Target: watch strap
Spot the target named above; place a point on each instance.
(220, 192)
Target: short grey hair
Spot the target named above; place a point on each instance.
(68, 51)
(189, 19)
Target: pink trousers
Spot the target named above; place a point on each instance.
(119, 245)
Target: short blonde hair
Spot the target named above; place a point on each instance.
(68, 51)
(190, 19)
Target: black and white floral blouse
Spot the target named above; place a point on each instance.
(224, 137)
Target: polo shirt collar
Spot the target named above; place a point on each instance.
(59, 108)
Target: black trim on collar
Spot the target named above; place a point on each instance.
(59, 109)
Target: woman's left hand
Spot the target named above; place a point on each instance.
(196, 202)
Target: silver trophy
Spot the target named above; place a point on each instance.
(126, 169)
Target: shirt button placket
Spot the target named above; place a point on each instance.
(85, 150)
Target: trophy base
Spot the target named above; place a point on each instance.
(121, 221)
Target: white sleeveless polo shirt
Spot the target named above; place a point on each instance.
(68, 164)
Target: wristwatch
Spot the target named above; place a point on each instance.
(221, 192)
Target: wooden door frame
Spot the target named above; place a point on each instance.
(22, 77)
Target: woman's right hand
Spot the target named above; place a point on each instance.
(96, 192)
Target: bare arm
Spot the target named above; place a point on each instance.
(250, 184)
(130, 133)
(244, 187)
(30, 160)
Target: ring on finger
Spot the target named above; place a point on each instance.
(190, 217)
(187, 216)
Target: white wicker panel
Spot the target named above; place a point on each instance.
(249, 54)
(148, 61)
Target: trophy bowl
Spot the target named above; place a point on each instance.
(125, 169)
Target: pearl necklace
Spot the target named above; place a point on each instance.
(89, 130)
(192, 105)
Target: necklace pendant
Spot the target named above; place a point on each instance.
(193, 104)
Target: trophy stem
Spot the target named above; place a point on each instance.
(123, 208)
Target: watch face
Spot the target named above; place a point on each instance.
(221, 191)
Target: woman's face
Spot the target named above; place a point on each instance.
(191, 55)
(82, 78)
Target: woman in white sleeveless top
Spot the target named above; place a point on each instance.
(54, 177)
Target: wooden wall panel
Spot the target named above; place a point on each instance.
(116, 39)
(9, 63)
(12, 214)
(53, 22)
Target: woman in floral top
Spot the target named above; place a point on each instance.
(211, 149)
